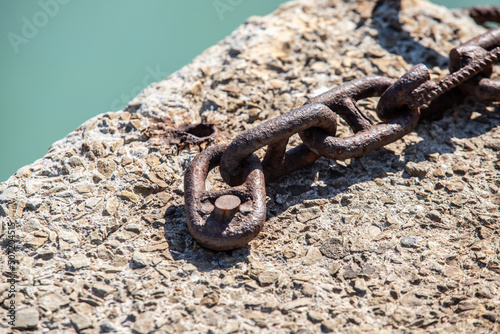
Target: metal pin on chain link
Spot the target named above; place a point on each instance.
(224, 219)
(230, 218)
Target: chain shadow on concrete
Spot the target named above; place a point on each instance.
(184, 247)
(385, 19)
(381, 162)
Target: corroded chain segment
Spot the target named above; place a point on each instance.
(472, 67)
(483, 14)
(479, 54)
(371, 137)
(224, 219)
(275, 131)
(230, 218)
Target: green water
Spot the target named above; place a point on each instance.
(64, 61)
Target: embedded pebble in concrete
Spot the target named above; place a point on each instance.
(27, 318)
(410, 241)
(403, 239)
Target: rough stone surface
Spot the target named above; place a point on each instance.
(26, 319)
(404, 239)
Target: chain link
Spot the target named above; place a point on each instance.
(228, 219)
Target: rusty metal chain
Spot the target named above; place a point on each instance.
(230, 218)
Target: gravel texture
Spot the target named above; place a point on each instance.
(404, 239)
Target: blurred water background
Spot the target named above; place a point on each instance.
(65, 61)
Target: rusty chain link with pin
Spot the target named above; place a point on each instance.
(230, 218)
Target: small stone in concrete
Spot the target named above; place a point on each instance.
(410, 241)
(307, 214)
(460, 169)
(83, 188)
(231, 326)
(329, 326)
(80, 322)
(35, 242)
(296, 304)
(107, 327)
(135, 228)
(434, 266)
(210, 299)
(416, 169)
(466, 305)
(308, 289)
(491, 316)
(199, 291)
(484, 292)
(102, 290)
(270, 304)
(333, 248)
(268, 277)
(110, 206)
(129, 196)
(27, 318)
(360, 285)
(155, 246)
(144, 323)
(313, 255)
(53, 302)
(434, 215)
(34, 203)
(106, 167)
(78, 262)
(139, 260)
(69, 236)
(189, 268)
(9, 195)
(75, 162)
(315, 316)
(45, 254)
